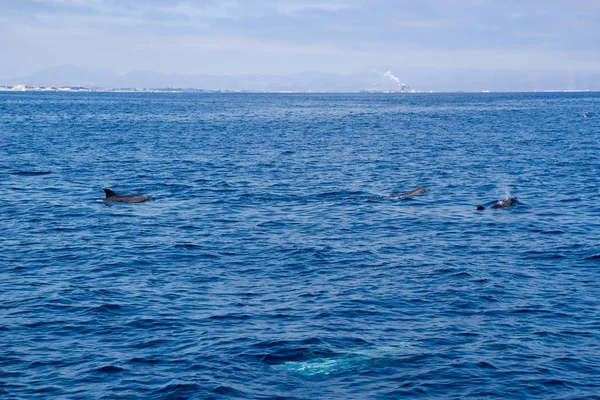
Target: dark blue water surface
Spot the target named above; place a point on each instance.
(272, 262)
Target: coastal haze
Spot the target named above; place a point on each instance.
(304, 45)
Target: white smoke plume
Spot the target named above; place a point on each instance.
(392, 77)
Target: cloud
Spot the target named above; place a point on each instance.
(292, 7)
(326, 35)
(185, 9)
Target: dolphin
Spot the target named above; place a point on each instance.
(126, 198)
(508, 202)
(411, 193)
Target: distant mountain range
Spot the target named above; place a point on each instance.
(421, 80)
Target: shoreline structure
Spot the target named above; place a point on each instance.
(83, 89)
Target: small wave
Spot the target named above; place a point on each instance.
(342, 194)
(542, 255)
(188, 246)
(106, 308)
(531, 311)
(141, 360)
(228, 391)
(230, 317)
(110, 369)
(30, 173)
(179, 390)
(272, 224)
(461, 274)
(267, 198)
(152, 343)
(145, 323)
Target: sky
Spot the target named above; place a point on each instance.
(290, 36)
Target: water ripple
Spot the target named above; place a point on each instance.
(272, 262)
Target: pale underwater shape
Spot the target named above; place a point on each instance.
(343, 363)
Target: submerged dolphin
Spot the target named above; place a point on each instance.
(343, 363)
(411, 193)
(508, 202)
(126, 198)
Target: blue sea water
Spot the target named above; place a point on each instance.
(272, 263)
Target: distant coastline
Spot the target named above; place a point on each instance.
(79, 89)
(82, 89)
(71, 78)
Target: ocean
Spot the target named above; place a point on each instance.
(272, 263)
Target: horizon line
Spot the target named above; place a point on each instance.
(87, 89)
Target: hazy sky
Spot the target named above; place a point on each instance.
(278, 37)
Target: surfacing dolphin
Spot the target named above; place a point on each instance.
(411, 193)
(508, 202)
(126, 198)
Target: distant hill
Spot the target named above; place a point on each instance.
(65, 75)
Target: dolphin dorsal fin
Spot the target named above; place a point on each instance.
(109, 193)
